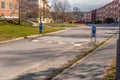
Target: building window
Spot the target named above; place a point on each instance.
(16, 7)
(10, 6)
(3, 5)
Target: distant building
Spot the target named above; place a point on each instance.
(9, 8)
(109, 11)
(87, 16)
(93, 15)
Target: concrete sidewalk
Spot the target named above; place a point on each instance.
(94, 66)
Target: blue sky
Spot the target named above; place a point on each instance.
(86, 5)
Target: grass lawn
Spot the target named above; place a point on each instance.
(110, 75)
(61, 25)
(10, 31)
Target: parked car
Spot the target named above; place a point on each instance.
(80, 22)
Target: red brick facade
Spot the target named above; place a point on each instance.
(110, 10)
(93, 15)
(87, 16)
(9, 8)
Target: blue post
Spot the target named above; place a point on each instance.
(93, 33)
(40, 28)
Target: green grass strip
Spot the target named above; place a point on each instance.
(60, 25)
(10, 31)
(110, 74)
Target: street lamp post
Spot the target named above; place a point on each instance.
(118, 57)
(19, 12)
(118, 49)
(41, 15)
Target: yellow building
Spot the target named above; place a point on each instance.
(44, 13)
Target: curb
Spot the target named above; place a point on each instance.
(21, 38)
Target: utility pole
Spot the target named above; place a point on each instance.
(41, 15)
(19, 12)
(118, 48)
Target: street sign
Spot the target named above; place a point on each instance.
(40, 27)
(93, 31)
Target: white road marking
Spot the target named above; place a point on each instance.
(49, 41)
(72, 43)
(60, 42)
(77, 44)
(35, 40)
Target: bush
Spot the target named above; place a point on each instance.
(71, 22)
(110, 75)
(88, 22)
(94, 22)
(98, 22)
(25, 22)
(13, 21)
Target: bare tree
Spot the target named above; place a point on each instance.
(77, 13)
(44, 11)
(27, 10)
(59, 10)
(31, 10)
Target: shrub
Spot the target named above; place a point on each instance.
(15, 21)
(12, 21)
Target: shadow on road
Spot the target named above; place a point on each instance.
(37, 75)
(86, 70)
(73, 73)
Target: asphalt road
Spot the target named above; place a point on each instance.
(17, 57)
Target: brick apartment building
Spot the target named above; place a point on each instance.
(9, 8)
(110, 10)
(87, 16)
(91, 15)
